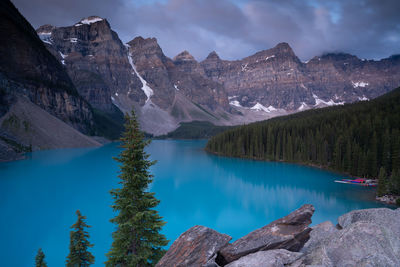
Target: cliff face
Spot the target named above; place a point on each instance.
(276, 77)
(27, 69)
(152, 65)
(96, 61)
(189, 76)
(40, 106)
(137, 75)
(183, 74)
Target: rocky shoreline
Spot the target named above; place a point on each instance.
(369, 237)
(388, 199)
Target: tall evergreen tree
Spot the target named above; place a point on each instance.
(395, 182)
(39, 259)
(382, 182)
(79, 256)
(137, 239)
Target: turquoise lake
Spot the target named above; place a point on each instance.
(39, 196)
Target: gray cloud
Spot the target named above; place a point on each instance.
(238, 28)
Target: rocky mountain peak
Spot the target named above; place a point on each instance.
(184, 56)
(148, 46)
(282, 52)
(45, 29)
(213, 55)
(283, 48)
(139, 41)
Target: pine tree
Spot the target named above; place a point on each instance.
(137, 239)
(395, 182)
(382, 182)
(79, 256)
(39, 259)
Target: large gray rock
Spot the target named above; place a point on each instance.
(319, 234)
(195, 247)
(270, 258)
(384, 217)
(359, 244)
(289, 232)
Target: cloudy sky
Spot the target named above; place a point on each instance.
(238, 28)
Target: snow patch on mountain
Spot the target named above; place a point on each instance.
(63, 57)
(45, 37)
(269, 57)
(303, 106)
(145, 87)
(359, 84)
(176, 87)
(89, 21)
(235, 103)
(363, 98)
(319, 101)
(260, 107)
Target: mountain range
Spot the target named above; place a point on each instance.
(84, 77)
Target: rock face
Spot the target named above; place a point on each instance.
(276, 77)
(28, 69)
(152, 65)
(319, 234)
(384, 217)
(360, 244)
(195, 247)
(269, 258)
(138, 75)
(183, 74)
(368, 238)
(30, 74)
(290, 232)
(189, 77)
(96, 60)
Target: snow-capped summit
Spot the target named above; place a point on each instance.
(260, 107)
(89, 20)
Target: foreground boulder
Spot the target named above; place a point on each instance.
(359, 244)
(319, 234)
(269, 258)
(289, 232)
(384, 217)
(195, 247)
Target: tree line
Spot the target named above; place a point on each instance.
(361, 139)
(137, 241)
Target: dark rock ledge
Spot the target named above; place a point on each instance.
(368, 237)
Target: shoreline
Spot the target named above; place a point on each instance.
(386, 199)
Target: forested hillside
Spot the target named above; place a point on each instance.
(361, 139)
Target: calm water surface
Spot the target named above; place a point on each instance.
(39, 196)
